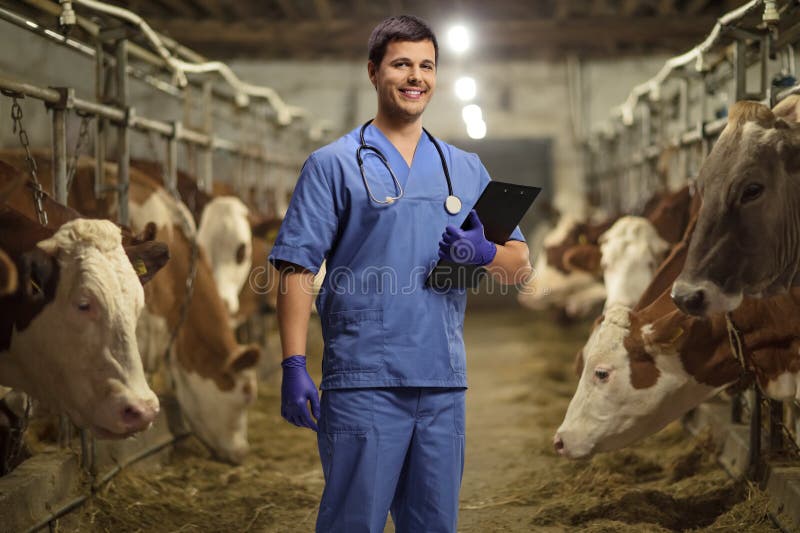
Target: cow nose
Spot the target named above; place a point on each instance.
(138, 416)
(558, 444)
(690, 301)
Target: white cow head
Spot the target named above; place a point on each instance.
(79, 354)
(225, 236)
(218, 415)
(624, 393)
(631, 252)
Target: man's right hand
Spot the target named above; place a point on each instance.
(297, 390)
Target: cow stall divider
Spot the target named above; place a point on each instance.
(665, 128)
(107, 121)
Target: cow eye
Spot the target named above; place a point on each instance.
(601, 374)
(240, 253)
(752, 192)
(84, 305)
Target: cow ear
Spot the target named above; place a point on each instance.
(245, 357)
(147, 234)
(9, 280)
(578, 366)
(147, 258)
(584, 257)
(788, 109)
(789, 152)
(668, 330)
(38, 274)
(658, 246)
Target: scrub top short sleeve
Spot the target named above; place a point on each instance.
(310, 225)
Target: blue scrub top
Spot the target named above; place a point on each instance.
(381, 325)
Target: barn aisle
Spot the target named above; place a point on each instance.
(521, 380)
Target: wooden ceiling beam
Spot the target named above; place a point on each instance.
(182, 8)
(289, 9)
(694, 7)
(629, 7)
(341, 37)
(324, 11)
(666, 8)
(211, 8)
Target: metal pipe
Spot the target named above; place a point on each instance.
(206, 170)
(59, 155)
(625, 110)
(755, 432)
(101, 124)
(172, 160)
(116, 115)
(123, 133)
(775, 422)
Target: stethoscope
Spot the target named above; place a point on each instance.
(452, 204)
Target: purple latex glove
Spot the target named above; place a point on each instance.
(467, 246)
(297, 390)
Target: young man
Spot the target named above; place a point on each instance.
(382, 204)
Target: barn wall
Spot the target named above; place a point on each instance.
(520, 100)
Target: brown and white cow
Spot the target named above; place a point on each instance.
(214, 377)
(747, 241)
(669, 214)
(631, 252)
(644, 367)
(68, 333)
(223, 231)
(552, 284)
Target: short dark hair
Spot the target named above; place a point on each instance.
(400, 28)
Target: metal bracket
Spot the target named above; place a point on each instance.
(66, 98)
(177, 130)
(116, 33)
(130, 117)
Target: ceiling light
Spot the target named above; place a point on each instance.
(459, 39)
(465, 88)
(476, 129)
(471, 113)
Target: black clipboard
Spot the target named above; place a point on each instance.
(500, 207)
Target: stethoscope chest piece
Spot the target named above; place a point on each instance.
(452, 205)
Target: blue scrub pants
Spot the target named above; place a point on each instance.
(398, 449)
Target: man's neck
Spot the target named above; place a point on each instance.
(404, 135)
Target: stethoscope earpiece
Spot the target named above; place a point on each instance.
(452, 204)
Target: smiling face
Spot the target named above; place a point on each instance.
(405, 79)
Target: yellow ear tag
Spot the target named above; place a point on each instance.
(140, 267)
(36, 286)
(676, 336)
(582, 239)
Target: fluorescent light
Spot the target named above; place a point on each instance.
(476, 129)
(466, 88)
(459, 39)
(471, 113)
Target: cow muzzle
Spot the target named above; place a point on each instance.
(691, 299)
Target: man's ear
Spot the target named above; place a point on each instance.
(372, 71)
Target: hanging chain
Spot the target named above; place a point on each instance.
(38, 193)
(83, 134)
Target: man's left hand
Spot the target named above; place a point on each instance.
(467, 246)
